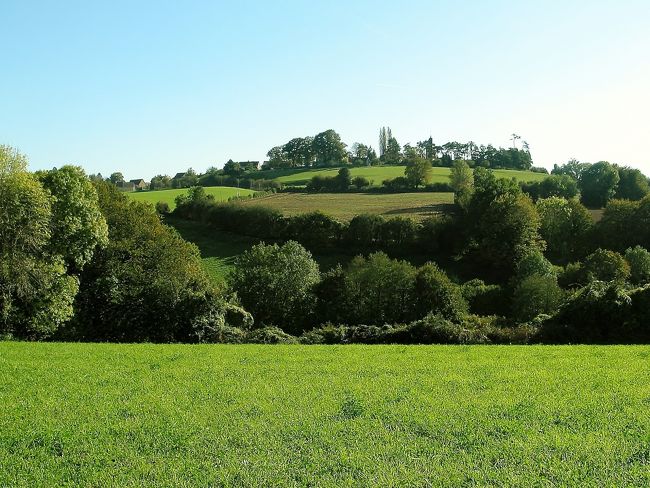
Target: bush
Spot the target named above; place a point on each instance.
(360, 182)
(534, 295)
(364, 230)
(486, 299)
(314, 229)
(162, 208)
(601, 313)
(639, 260)
(435, 293)
(275, 284)
(398, 231)
(604, 265)
(270, 335)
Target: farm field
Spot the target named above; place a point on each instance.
(217, 415)
(221, 193)
(344, 206)
(378, 174)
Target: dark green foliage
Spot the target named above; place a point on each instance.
(565, 225)
(274, 283)
(573, 168)
(364, 229)
(435, 293)
(360, 182)
(328, 149)
(399, 183)
(563, 186)
(343, 179)
(270, 335)
(162, 208)
(380, 290)
(78, 226)
(625, 224)
(397, 232)
(502, 224)
(313, 229)
(486, 299)
(602, 313)
(605, 265)
(534, 263)
(632, 185)
(38, 245)
(146, 285)
(534, 295)
(598, 184)
(639, 260)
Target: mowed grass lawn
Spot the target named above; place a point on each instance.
(217, 415)
(220, 193)
(344, 206)
(378, 174)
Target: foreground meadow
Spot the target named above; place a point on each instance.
(161, 415)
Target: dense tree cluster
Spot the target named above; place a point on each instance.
(81, 261)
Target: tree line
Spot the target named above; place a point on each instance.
(81, 261)
(326, 149)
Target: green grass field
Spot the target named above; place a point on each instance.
(344, 206)
(221, 193)
(179, 415)
(378, 174)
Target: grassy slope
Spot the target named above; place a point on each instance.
(147, 415)
(220, 193)
(219, 249)
(379, 174)
(344, 206)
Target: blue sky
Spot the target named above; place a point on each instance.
(156, 87)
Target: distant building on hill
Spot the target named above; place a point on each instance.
(139, 184)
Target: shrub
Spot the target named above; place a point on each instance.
(270, 335)
(534, 295)
(363, 230)
(604, 265)
(162, 208)
(314, 229)
(360, 182)
(435, 293)
(398, 231)
(485, 299)
(639, 260)
(275, 284)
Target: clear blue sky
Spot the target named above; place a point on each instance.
(155, 87)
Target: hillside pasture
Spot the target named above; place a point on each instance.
(217, 415)
(377, 174)
(220, 193)
(344, 206)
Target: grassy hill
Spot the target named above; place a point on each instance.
(344, 206)
(221, 193)
(378, 174)
(202, 415)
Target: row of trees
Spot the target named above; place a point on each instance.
(327, 149)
